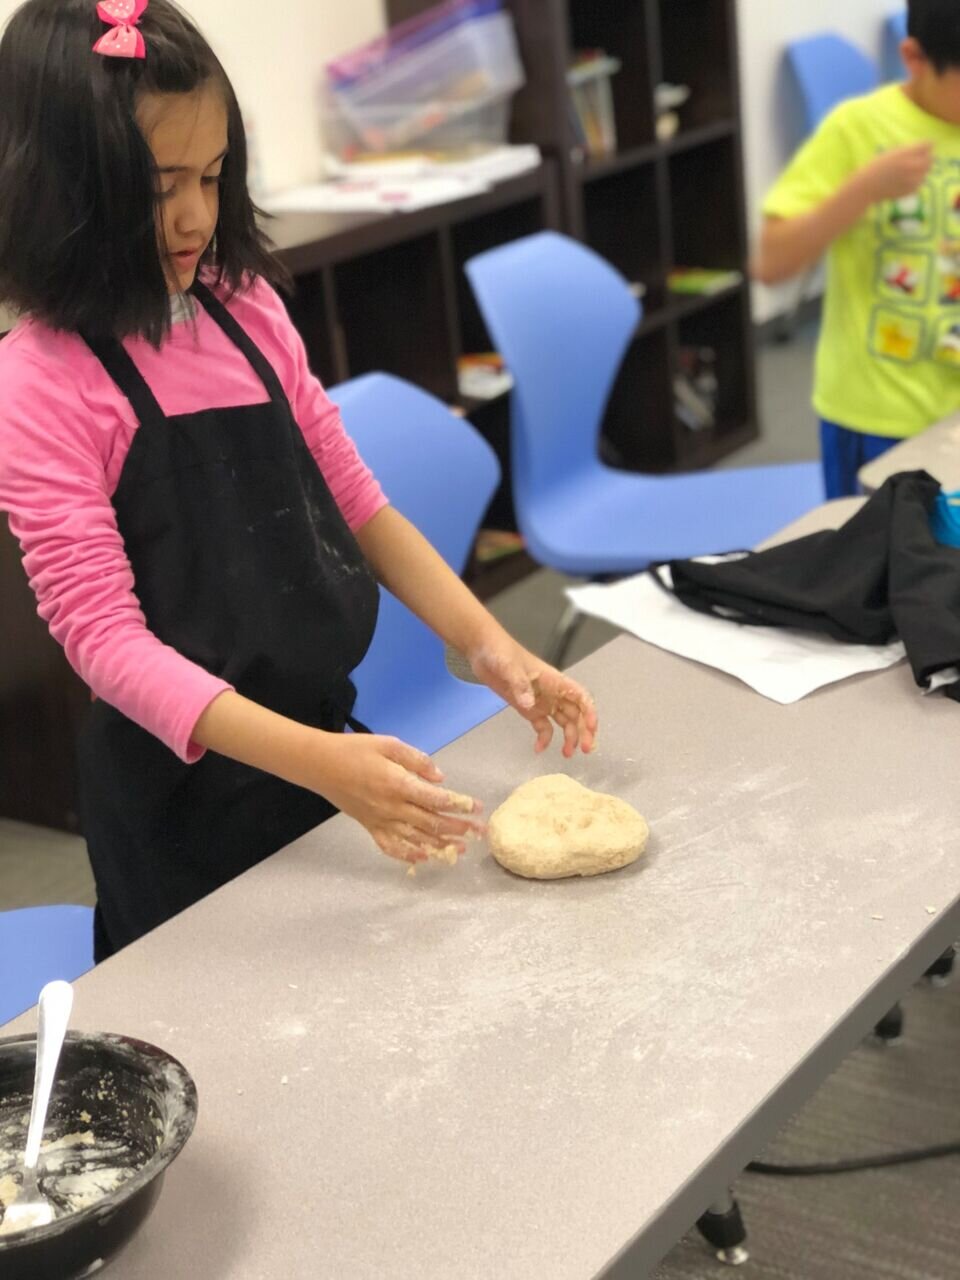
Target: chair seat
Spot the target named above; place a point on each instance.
(614, 522)
(37, 945)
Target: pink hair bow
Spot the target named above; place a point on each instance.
(123, 40)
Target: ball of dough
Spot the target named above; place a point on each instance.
(553, 827)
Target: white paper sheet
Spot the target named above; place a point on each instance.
(781, 664)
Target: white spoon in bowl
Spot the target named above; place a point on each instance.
(31, 1207)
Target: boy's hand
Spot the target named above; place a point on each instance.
(541, 694)
(899, 173)
(391, 789)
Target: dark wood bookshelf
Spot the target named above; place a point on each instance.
(387, 291)
(655, 204)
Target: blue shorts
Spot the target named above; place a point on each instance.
(844, 453)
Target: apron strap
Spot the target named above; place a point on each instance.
(240, 338)
(119, 365)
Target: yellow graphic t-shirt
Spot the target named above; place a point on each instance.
(889, 356)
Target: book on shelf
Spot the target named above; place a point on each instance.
(702, 281)
(592, 117)
(667, 101)
(696, 388)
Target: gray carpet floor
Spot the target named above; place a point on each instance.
(901, 1224)
(890, 1224)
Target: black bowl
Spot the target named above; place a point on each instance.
(129, 1094)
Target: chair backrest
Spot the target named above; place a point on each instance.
(439, 472)
(828, 69)
(894, 34)
(562, 318)
(435, 468)
(37, 945)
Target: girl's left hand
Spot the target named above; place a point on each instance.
(542, 695)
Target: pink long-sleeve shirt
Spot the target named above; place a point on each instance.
(65, 430)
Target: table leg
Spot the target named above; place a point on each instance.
(722, 1227)
(890, 1029)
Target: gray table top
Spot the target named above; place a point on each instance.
(936, 450)
(466, 1074)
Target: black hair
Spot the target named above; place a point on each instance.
(935, 25)
(78, 228)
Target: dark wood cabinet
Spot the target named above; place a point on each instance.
(388, 292)
(41, 705)
(653, 205)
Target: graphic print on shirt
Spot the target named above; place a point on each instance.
(947, 345)
(904, 276)
(917, 273)
(910, 217)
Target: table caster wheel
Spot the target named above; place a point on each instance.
(734, 1257)
(722, 1227)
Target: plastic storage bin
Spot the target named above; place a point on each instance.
(405, 37)
(451, 92)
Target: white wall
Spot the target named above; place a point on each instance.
(765, 27)
(273, 53)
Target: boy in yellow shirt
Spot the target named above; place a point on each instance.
(878, 185)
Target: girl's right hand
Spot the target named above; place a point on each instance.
(392, 790)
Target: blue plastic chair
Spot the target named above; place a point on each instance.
(562, 319)
(441, 474)
(894, 34)
(827, 70)
(37, 945)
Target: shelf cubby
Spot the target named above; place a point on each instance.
(394, 315)
(473, 236)
(640, 403)
(622, 223)
(620, 28)
(718, 327)
(311, 309)
(698, 49)
(705, 208)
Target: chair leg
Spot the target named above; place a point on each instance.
(722, 1227)
(940, 973)
(561, 637)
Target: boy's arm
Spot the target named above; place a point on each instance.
(789, 246)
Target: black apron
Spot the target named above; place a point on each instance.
(244, 564)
